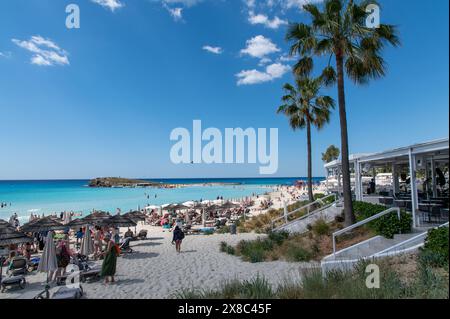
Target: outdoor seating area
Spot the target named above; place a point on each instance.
(414, 178)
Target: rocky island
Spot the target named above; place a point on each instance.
(109, 182)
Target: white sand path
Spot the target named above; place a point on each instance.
(156, 270)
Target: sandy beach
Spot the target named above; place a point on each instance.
(155, 270)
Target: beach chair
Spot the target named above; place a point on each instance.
(86, 272)
(18, 266)
(68, 293)
(18, 280)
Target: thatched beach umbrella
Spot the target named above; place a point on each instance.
(77, 223)
(229, 205)
(9, 235)
(42, 224)
(212, 208)
(118, 221)
(96, 218)
(135, 216)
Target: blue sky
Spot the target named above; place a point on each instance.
(102, 100)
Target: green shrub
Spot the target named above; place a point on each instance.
(436, 249)
(225, 248)
(296, 253)
(223, 230)
(388, 225)
(278, 237)
(320, 227)
(337, 284)
(318, 196)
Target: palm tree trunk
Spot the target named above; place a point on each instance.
(308, 133)
(348, 205)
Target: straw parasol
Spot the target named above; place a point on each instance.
(135, 216)
(9, 235)
(42, 224)
(118, 221)
(212, 207)
(229, 205)
(96, 217)
(76, 223)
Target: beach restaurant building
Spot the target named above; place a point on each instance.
(417, 179)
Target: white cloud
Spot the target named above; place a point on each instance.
(286, 58)
(297, 3)
(275, 23)
(215, 50)
(259, 47)
(176, 13)
(272, 72)
(264, 61)
(186, 3)
(5, 54)
(109, 4)
(45, 51)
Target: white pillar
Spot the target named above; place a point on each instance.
(339, 181)
(433, 177)
(358, 181)
(412, 174)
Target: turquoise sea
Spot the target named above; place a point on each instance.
(50, 196)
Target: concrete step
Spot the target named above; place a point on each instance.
(372, 246)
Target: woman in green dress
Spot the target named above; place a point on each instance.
(109, 260)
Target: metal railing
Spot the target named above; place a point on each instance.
(363, 222)
(320, 201)
(420, 239)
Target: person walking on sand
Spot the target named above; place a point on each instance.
(178, 237)
(109, 260)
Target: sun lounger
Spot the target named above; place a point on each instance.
(90, 275)
(18, 266)
(68, 293)
(61, 293)
(13, 281)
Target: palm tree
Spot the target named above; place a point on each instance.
(340, 31)
(305, 107)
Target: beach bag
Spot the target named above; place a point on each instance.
(117, 249)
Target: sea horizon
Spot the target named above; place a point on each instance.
(163, 178)
(54, 196)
